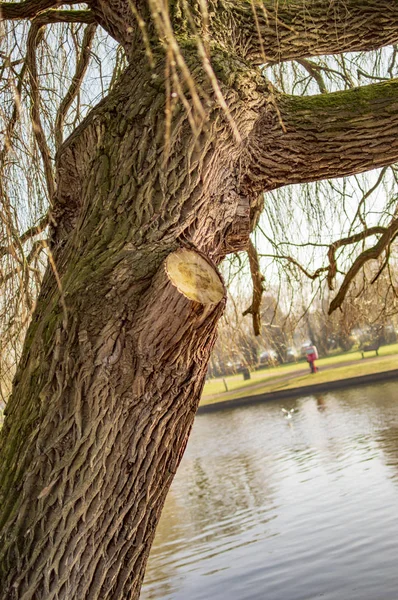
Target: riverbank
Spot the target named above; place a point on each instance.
(337, 366)
(295, 392)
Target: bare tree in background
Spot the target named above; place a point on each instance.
(326, 232)
(176, 156)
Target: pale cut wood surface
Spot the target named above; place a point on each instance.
(194, 277)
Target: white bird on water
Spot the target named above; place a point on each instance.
(288, 413)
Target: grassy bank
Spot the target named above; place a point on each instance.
(332, 368)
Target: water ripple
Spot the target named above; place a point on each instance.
(265, 509)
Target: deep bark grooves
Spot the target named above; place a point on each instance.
(116, 416)
(106, 395)
(298, 28)
(156, 200)
(265, 31)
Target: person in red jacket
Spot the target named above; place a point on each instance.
(312, 355)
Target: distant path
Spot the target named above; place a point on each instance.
(305, 390)
(306, 371)
(283, 378)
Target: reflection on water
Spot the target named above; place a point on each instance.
(265, 507)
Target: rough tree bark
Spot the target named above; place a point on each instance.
(115, 357)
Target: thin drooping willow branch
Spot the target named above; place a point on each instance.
(81, 68)
(366, 195)
(36, 33)
(12, 122)
(37, 247)
(28, 145)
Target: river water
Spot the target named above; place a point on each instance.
(266, 508)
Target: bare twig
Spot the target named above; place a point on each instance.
(27, 235)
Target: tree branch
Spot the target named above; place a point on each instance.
(294, 262)
(315, 71)
(369, 254)
(257, 279)
(274, 31)
(64, 16)
(124, 20)
(301, 139)
(365, 196)
(352, 239)
(28, 9)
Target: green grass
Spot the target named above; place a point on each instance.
(365, 368)
(234, 382)
(272, 379)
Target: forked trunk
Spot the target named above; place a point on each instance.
(116, 356)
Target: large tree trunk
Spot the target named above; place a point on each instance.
(115, 357)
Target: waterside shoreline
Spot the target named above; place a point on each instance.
(305, 390)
